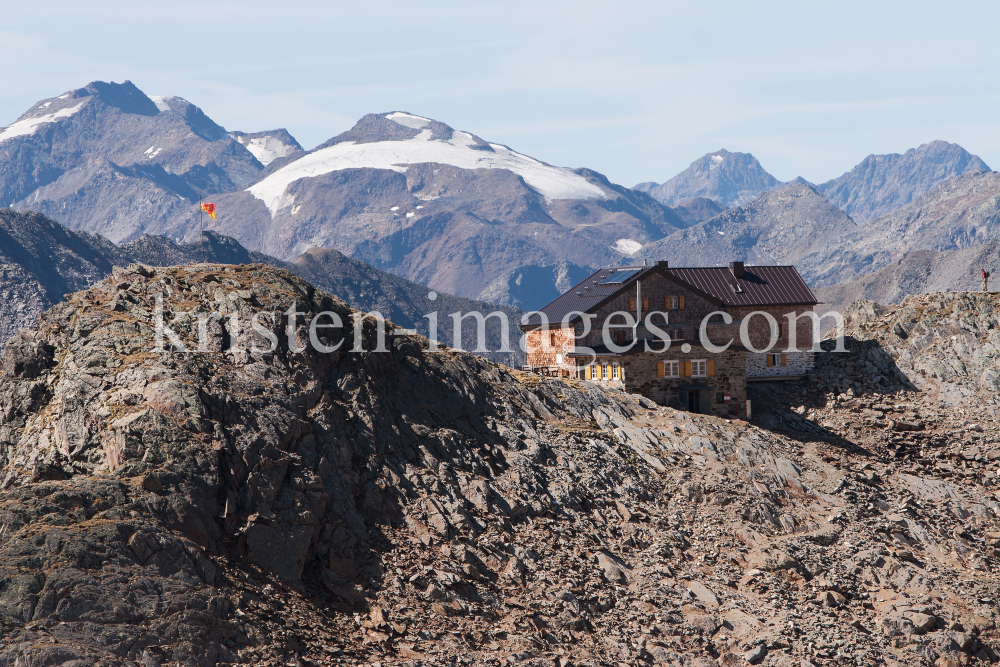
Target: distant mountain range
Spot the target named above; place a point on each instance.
(882, 183)
(441, 207)
(445, 208)
(404, 193)
(41, 261)
(960, 212)
(879, 184)
(108, 159)
(785, 226)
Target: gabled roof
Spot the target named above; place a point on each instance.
(759, 286)
(588, 295)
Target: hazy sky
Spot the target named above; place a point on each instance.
(635, 90)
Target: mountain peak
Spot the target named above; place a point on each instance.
(125, 96)
(882, 183)
(727, 177)
(391, 141)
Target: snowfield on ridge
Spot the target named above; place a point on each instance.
(460, 151)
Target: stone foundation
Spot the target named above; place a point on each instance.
(728, 377)
(796, 363)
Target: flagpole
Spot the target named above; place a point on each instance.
(202, 216)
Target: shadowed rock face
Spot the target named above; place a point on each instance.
(238, 506)
(41, 260)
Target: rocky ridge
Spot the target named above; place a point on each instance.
(790, 225)
(232, 506)
(880, 184)
(917, 272)
(41, 261)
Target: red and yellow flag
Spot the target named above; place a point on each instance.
(209, 208)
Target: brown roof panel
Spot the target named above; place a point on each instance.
(759, 286)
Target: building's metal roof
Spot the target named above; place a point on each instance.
(588, 295)
(759, 286)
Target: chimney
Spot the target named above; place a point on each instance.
(736, 268)
(662, 263)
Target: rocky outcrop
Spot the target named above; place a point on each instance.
(232, 505)
(945, 343)
(297, 463)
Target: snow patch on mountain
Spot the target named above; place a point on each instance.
(551, 182)
(31, 125)
(409, 120)
(266, 149)
(627, 246)
(161, 102)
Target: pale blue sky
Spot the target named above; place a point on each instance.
(636, 90)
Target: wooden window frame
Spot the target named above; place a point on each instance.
(697, 365)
